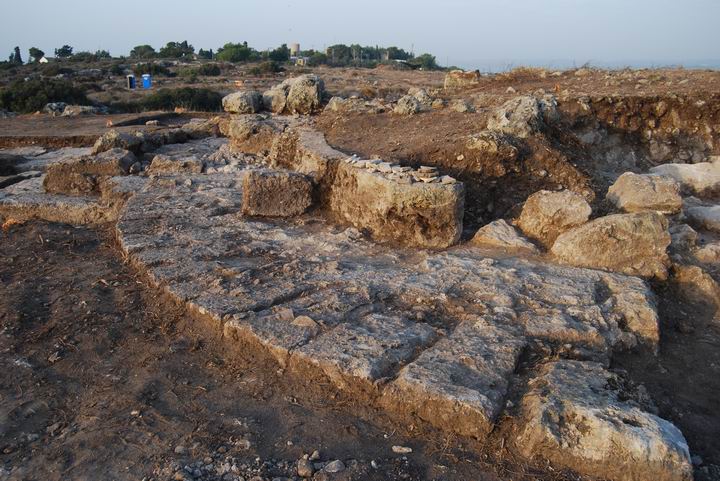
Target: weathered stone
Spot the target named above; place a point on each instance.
(276, 194)
(28, 200)
(408, 105)
(114, 139)
(423, 97)
(251, 134)
(8, 163)
(523, 116)
(462, 106)
(501, 234)
(461, 79)
(696, 284)
(701, 179)
(275, 99)
(704, 217)
(305, 468)
(82, 176)
(419, 214)
(162, 164)
(459, 384)
(582, 417)
(645, 193)
(633, 244)
(364, 351)
(546, 215)
(305, 94)
(683, 238)
(244, 102)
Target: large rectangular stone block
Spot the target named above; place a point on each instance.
(276, 193)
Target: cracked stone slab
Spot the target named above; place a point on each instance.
(365, 351)
(580, 416)
(460, 383)
(28, 200)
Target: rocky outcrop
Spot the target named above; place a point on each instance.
(252, 134)
(245, 102)
(82, 176)
(501, 234)
(701, 179)
(580, 416)
(645, 193)
(634, 244)
(268, 193)
(275, 99)
(462, 79)
(523, 116)
(704, 216)
(546, 215)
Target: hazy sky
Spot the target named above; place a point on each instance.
(460, 32)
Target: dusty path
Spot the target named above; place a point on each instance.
(104, 380)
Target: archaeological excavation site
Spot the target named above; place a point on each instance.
(368, 274)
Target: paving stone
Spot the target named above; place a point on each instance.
(365, 351)
(461, 382)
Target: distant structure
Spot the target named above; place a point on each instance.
(43, 60)
(295, 55)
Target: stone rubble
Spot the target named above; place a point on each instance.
(546, 215)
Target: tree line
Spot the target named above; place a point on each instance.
(339, 55)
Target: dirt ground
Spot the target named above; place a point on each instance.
(104, 379)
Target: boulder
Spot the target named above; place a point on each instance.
(645, 193)
(78, 110)
(82, 176)
(408, 105)
(701, 179)
(501, 234)
(244, 102)
(462, 79)
(114, 139)
(305, 94)
(705, 217)
(633, 244)
(251, 134)
(580, 416)
(54, 108)
(523, 116)
(275, 99)
(423, 97)
(268, 193)
(546, 215)
(462, 106)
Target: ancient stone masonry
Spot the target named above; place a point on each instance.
(393, 203)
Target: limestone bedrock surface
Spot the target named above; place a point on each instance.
(186, 232)
(581, 416)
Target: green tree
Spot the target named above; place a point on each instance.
(236, 52)
(280, 54)
(102, 54)
(394, 53)
(425, 62)
(317, 58)
(36, 54)
(205, 54)
(64, 52)
(143, 51)
(177, 50)
(16, 57)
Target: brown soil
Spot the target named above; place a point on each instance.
(104, 379)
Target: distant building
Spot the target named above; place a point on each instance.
(294, 49)
(43, 60)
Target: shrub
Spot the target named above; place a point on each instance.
(152, 69)
(265, 68)
(236, 52)
(206, 70)
(203, 100)
(32, 95)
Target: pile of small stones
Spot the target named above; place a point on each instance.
(401, 174)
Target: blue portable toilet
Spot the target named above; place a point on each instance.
(131, 82)
(147, 81)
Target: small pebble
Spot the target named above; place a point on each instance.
(335, 466)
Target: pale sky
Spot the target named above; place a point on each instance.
(466, 33)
